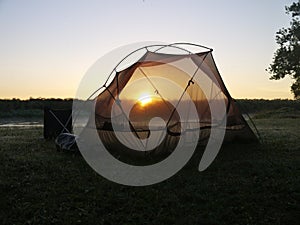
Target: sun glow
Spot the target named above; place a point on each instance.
(145, 100)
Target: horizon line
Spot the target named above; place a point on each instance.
(70, 98)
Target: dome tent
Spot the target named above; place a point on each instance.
(148, 107)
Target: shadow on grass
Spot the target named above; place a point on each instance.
(246, 184)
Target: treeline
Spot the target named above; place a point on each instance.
(264, 105)
(251, 105)
(34, 103)
(33, 107)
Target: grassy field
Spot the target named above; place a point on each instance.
(246, 184)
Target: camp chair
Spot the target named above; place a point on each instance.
(58, 125)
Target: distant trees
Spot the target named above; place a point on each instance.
(262, 105)
(30, 108)
(286, 59)
(34, 103)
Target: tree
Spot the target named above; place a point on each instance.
(286, 61)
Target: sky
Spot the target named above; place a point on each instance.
(47, 46)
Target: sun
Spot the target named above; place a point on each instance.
(145, 100)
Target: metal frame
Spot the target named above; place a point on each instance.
(161, 46)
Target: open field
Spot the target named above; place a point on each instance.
(246, 184)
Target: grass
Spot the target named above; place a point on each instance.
(282, 112)
(246, 184)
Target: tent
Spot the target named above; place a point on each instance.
(167, 92)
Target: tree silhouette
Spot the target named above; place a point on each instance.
(286, 59)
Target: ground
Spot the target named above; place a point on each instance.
(246, 184)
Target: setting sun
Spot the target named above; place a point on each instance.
(145, 100)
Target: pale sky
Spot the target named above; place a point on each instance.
(46, 46)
